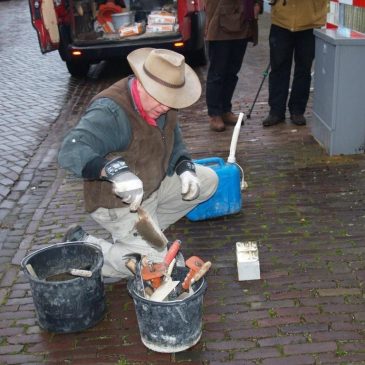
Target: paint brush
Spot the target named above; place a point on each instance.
(149, 230)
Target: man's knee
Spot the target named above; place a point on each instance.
(209, 181)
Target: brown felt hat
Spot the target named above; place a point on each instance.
(165, 76)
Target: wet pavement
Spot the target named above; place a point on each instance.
(304, 208)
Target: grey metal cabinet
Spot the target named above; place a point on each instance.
(338, 121)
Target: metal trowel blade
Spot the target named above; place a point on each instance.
(164, 290)
(186, 294)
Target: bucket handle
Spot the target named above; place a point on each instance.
(29, 256)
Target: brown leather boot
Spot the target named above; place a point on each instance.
(229, 118)
(216, 124)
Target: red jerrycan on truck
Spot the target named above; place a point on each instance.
(89, 31)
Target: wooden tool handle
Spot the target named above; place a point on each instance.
(80, 272)
(31, 271)
(172, 252)
(131, 265)
(204, 269)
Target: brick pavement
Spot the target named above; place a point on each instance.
(303, 207)
(33, 90)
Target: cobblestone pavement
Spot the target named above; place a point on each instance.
(33, 90)
(303, 207)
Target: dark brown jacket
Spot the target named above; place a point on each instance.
(147, 155)
(225, 21)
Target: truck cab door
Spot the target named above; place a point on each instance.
(44, 20)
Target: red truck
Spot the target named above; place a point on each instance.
(83, 33)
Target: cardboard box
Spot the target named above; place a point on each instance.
(130, 30)
(153, 28)
(161, 18)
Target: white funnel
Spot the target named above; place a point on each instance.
(232, 150)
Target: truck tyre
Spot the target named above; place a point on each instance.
(78, 69)
(200, 56)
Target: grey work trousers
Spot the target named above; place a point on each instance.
(165, 206)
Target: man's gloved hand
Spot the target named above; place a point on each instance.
(125, 184)
(190, 185)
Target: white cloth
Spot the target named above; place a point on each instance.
(165, 206)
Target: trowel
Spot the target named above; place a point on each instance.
(197, 276)
(167, 286)
(149, 230)
(155, 272)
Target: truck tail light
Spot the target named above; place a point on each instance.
(179, 44)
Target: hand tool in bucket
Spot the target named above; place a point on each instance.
(167, 286)
(265, 73)
(188, 283)
(134, 263)
(227, 199)
(194, 263)
(156, 271)
(61, 276)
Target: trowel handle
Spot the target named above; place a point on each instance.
(82, 273)
(172, 252)
(204, 269)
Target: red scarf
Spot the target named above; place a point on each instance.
(137, 101)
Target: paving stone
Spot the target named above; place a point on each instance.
(3, 294)
(9, 277)
(309, 348)
(10, 349)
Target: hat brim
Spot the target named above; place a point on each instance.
(181, 97)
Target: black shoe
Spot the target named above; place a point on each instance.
(272, 120)
(75, 233)
(298, 119)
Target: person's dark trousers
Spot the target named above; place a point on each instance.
(284, 45)
(225, 60)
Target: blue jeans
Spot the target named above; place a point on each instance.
(225, 60)
(284, 45)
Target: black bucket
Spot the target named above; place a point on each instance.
(170, 326)
(68, 304)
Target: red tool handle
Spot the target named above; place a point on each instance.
(188, 278)
(172, 252)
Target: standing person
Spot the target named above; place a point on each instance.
(291, 35)
(230, 25)
(129, 150)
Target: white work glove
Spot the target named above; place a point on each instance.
(190, 185)
(125, 184)
(129, 188)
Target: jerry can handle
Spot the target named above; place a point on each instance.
(210, 161)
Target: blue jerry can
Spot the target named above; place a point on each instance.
(227, 199)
